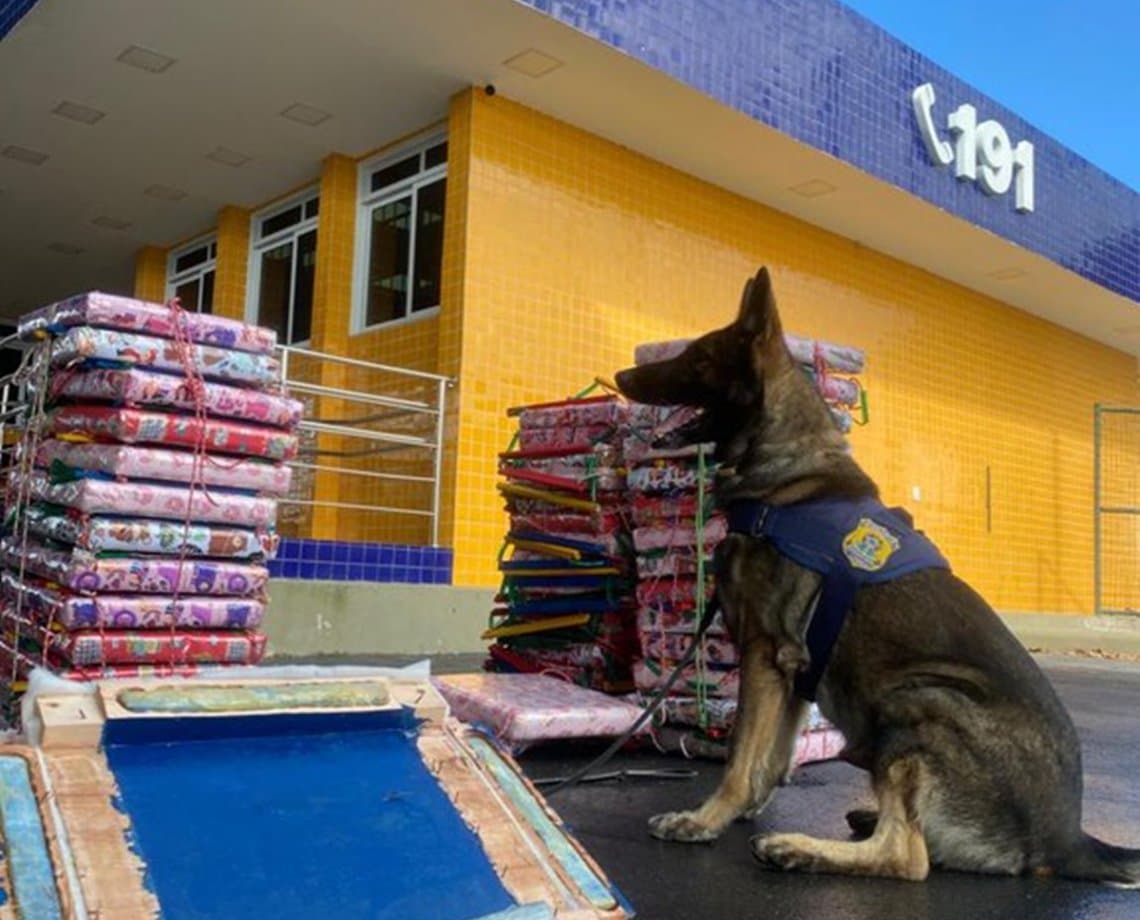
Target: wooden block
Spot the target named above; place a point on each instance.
(69, 722)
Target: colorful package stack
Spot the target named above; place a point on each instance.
(675, 530)
(566, 604)
(144, 506)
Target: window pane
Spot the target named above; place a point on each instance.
(435, 155)
(279, 222)
(303, 287)
(187, 294)
(388, 261)
(429, 244)
(206, 302)
(389, 175)
(312, 208)
(273, 297)
(191, 258)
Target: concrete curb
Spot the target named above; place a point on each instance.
(308, 618)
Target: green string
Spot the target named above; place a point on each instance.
(702, 701)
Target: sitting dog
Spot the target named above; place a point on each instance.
(974, 762)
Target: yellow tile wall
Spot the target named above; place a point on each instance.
(150, 274)
(232, 263)
(576, 249)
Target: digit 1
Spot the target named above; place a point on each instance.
(963, 122)
(1023, 176)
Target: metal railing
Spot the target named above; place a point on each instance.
(1116, 509)
(371, 443)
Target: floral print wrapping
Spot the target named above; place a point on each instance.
(158, 463)
(138, 426)
(582, 436)
(84, 649)
(131, 611)
(591, 469)
(100, 496)
(137, 387)
(664, 476)
(99, 534)
(564, 523)
(716, 652)
(84, 343)
(605, 411)
(675, 620)
(523, 708)
(84, 572)
(649, 675)
(646, 539)
(115, 312)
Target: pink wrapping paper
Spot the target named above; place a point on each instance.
(159, 463)
(130, 611)
(568, 522)
(647, 539)
(98, 496)
(675, 562)
(86, 343)
(115, 312)
(671, 593)
(84, 572)
(665, 476)
(650, 675)
(138, 387)
(147, 535)
(606, 410)
(675, 621)
(718, 651)
(599, 474)
(139, 426)
(525, 708)
(584, 436)
(648, 510)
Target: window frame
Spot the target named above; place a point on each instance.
(174, 279)
(260, 244)
(367, 202)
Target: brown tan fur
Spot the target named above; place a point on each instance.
(973, 760)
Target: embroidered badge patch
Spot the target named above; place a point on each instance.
(869, 545)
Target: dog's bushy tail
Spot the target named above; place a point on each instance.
(1094, 860)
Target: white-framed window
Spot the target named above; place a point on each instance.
(282, 268)
(399, 236)
(190, 274)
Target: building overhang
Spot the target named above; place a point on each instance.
(380, 70)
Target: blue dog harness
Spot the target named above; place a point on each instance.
(851, 543)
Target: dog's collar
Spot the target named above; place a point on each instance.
(850, 542)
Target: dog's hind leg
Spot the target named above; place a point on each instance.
(896, 849)
(761, 751)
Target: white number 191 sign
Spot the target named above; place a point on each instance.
(981, 153)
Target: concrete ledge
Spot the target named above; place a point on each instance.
(1047, 632)
(308, 618)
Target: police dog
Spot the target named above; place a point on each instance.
(974, 761)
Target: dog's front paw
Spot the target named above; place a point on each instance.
(681, 826)
(783, 851)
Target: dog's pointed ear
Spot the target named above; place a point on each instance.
(758, 314)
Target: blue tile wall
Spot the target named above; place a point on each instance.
(823, 74)
(11, 12)
(332, 560)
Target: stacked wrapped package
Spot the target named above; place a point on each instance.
(675, 529)
(142, 513)
(566, 605)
